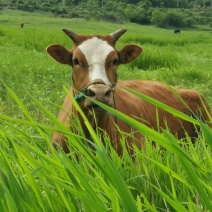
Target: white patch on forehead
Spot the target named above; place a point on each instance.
(96, 52)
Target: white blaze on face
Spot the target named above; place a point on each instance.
(96, 52)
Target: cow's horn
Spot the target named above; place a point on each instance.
(117, 34)
(71, 34)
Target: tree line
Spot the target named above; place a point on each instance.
(162, 13)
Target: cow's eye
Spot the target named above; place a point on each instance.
(76, 61)
(115, 62)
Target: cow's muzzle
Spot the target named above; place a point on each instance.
(98, 91)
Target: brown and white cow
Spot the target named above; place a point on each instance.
(94, 60)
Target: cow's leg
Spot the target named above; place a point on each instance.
(59, 139)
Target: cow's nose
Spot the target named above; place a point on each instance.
(101, 94)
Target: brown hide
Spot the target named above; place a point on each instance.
(94, 60)
(133, 106)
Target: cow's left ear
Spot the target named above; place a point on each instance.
(60, 53)
(129, 53)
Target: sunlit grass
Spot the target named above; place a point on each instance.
(168, 177)
(165, 177)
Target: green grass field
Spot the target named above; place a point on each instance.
(32, 91)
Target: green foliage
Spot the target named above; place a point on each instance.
(172, 178)
(170, 19)
(139, 13)
(187, 12)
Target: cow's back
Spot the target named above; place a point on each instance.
(134, 106)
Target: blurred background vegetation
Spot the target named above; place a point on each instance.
(161, 13)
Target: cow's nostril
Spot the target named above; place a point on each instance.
(101, 94)
(90, 93)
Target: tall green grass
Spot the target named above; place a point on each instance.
(175, 178)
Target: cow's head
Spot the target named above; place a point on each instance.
(94, 60)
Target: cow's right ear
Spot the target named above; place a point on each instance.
(60, 54)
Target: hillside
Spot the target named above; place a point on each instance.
(162, 13)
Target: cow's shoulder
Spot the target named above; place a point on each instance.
(66, 109)
(154, 89)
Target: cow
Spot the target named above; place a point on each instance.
(22, 24)
(94, 60)
(177, 31)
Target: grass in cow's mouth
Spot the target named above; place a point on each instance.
(95, 106)
(97, 109)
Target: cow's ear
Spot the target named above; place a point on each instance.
(60, 54)
(129, 53)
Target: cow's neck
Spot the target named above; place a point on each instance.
(99, 121)
(103, 124)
